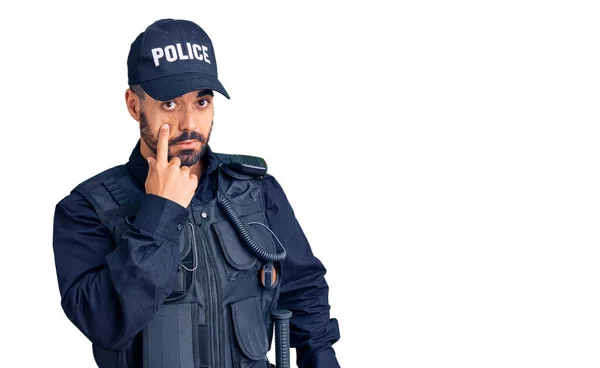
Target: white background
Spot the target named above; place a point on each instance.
(442, 158)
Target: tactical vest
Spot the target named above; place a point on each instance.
(219, 313)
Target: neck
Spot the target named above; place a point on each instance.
(197, 168)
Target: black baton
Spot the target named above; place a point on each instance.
(282, 337)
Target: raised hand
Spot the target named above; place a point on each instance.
(167, 178)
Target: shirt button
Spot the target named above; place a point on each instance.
(178, 226)
(204, 215)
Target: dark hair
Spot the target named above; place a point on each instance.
(139, 91)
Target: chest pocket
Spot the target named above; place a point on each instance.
(189, 263)
(239, 261)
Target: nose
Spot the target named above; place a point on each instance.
(187, 122)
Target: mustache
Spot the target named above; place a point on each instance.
(188, 136)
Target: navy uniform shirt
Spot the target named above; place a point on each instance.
(111, 307)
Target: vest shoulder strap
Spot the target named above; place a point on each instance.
(112, 193)
(252, 166)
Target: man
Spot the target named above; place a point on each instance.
(179, 257)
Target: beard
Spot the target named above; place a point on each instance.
(189, 156)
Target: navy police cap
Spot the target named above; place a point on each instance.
(171, 58)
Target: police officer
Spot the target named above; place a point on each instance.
(180, 257)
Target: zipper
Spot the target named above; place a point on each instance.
(213, 312)
(215, 308)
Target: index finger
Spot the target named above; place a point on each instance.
(162, 148)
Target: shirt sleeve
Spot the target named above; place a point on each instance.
(111, 288)
(304, 290)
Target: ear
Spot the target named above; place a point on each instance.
(133, 104)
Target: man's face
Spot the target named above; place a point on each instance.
(190, 118)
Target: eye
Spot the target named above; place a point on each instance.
(169, 105)
(203, 102)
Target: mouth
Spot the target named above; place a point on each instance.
(186, 143)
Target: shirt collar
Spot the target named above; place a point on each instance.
(139, 166)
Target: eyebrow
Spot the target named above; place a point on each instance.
(204, 92)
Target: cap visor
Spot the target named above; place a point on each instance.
(172, 86)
